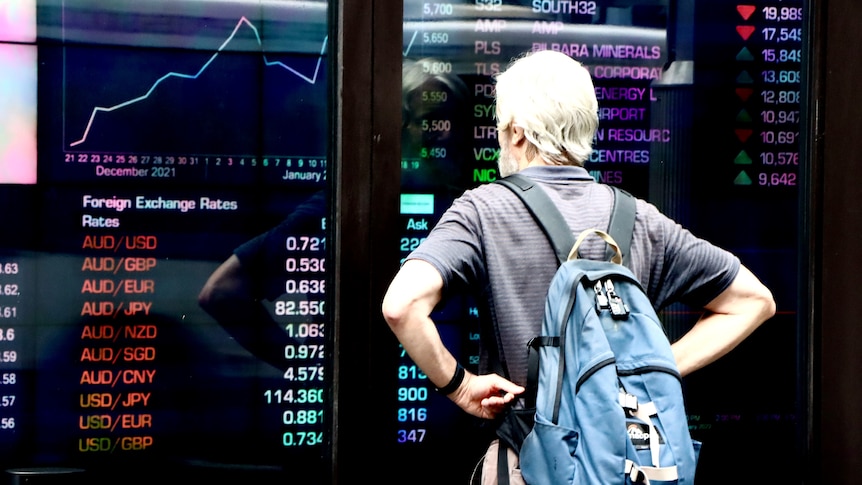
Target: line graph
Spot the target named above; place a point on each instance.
(410, 44)
(310, 79)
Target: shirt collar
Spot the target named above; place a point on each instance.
(557, 173)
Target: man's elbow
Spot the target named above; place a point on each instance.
(757, 304)
(750, 296)
(412, 295)
(767, 304)
(393, 311)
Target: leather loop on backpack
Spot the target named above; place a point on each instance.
(618, 254)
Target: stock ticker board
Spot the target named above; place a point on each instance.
(144, 142)
(700, 113)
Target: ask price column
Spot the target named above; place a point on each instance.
(118, 358)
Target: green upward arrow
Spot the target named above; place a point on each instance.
(742, 179)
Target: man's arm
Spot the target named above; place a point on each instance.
(407, 307)
(731, 317)
(227, 297)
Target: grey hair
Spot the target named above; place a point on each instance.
(551, 96)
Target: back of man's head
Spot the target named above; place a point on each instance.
(551, 96)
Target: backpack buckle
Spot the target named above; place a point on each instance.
(629, 402)
(619, 310)
(602, 302)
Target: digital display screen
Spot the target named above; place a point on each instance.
(166, 259)
(699, 107)
(163, 261)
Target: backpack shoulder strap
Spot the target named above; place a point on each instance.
(560, 235)
(545, 213)
(622, 225)
(555, 227)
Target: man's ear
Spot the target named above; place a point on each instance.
(518, 137)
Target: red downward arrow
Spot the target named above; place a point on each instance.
(744, 93)
(743, 135)
(745, 31)
(746, 10)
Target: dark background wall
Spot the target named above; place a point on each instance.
(837, 327)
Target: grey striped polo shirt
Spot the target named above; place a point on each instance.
(487, 243)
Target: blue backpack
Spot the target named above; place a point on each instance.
(604, 398)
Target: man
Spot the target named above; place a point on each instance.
(547, 118)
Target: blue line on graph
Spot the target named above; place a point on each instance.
(243, 20)
(410, 45)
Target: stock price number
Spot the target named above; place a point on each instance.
(304, 351)
(410, 415)
(7, 423)
(305, 243)
(774, 117)
(7, 334)
(411, 243)
(780, 97)
(304, 330)
(305, 265)
(7, 401)
(9, 290)
(779, 137)
(8, 312)
(406, 372)
(782, 55)
(776, 179)
(304, 373)
(781, 77)
(411, 435)
(9, 268)
(302, 308)
(782, 34)
(293, 396)
(412, 394)
(783, 14)
(304, 286)
(8, 356)
(8, 378)
(302, 416)
(779, 158)
(302, 438)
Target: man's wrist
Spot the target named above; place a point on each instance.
(454, 383)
